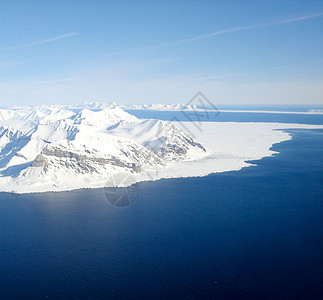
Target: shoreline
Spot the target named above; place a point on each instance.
(232, 149)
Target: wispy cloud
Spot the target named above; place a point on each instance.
(44, 41)
(220, 32)
(301, 18)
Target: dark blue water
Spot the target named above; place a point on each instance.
(252, 234)
(221, 116)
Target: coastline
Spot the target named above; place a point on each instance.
(233, 146)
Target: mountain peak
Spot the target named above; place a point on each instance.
(104, 117)
(47, 149)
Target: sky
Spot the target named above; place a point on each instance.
(136, 52)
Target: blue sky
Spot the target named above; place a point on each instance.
(235, 52)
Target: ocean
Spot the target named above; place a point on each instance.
(249, 234)
(209, 116)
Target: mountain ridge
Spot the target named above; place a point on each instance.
(50, 148)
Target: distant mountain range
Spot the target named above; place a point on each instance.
(103, 105)
(184, 107)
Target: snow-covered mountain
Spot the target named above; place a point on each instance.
(50, 148)
(167, 107)
(104, 105)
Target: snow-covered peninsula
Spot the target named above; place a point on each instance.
(46, 149)
(56, 149)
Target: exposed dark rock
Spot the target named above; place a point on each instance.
(81, 163)
(40, 161)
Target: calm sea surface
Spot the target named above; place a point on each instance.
(220, 116)
(252, 234)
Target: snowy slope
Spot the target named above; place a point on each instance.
(50, 148)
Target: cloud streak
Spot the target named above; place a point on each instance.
(44, 41)
(221, 32)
